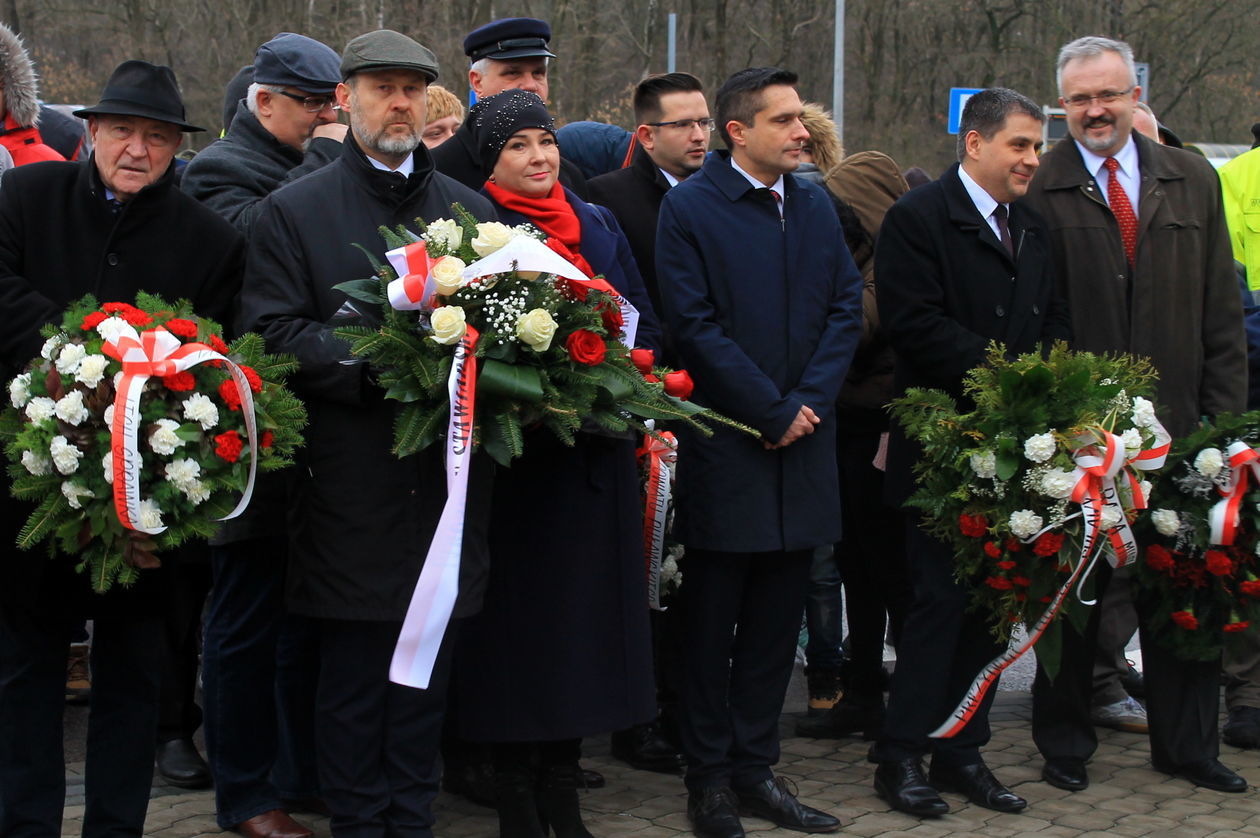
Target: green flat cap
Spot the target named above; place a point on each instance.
(386, 49)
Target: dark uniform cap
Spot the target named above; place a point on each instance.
(494, 119)
(292, 60)
(510, 37)
(138, 88)
(386, 49)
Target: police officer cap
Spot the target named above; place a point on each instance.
(292, 60)
(510, 37)
(386, 49)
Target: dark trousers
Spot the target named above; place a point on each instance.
(178, 714)
(121, 722)
(260, 667)
(377, 742)
(943, 647)
(741, 614)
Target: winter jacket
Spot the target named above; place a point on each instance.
(1240, 187)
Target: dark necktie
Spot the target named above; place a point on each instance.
(778, 201)
(1004, 229)
(1118, 199)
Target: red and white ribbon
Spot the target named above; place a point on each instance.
(414, 288)
(1244, 464)
(157, 352)
(433, 599)
(660, 454)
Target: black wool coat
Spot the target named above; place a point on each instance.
(365, 518)
(634, 195)
(458, 158)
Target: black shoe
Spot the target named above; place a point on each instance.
(1210, 774)
(1066, 773)
(773, 800)
(903, 785)
(1242, 730)
(978, 784)
(473, 781)
(643, 747)
(179, 764)
(1133, 681)
(824, 687)
(557, 798)
(592, 779)
(714, 813)
(846, 718)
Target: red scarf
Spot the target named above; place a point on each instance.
(553, 215)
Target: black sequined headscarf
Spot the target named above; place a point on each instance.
(494, 119)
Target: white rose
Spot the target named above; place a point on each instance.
(69, 358)
(65, 456)
(1040, 448)
(50, 346)
(109, 416)
(1144, 413)
(448, 274)
(111, 327)
(448, 325)
(20, 390)
(92, 370)
(70, 408)
(1111, 516)
(182, 472)
(1166, 521)
(1132, 439)
(445, 231)
(1209, 462)
(199, 408)
(164, 440)
(40, 408)
(536, 328)
(150, 514)
(1058, 484)
(491, 235)
(107, 465)
(35, 464)
(74, 493)
(1024, 524)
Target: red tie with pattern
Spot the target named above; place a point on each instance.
(1121, 208)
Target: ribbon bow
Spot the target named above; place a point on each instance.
(413, 290)
(1244, 462)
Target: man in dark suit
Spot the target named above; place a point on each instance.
(1138, 233)
(764, 303)
(958, 267)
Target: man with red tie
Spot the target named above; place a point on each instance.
(1138, 236)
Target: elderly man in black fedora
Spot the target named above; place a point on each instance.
(112, 225)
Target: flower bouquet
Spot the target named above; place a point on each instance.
(1037, 479)
(1200, 577)
(552, 347)
(137, 428)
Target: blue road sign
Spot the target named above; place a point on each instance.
(958, 97)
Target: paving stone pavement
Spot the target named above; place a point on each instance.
(1126, 797)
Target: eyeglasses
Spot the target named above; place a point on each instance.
(706, 124)
(311, 104)
(1107, 97)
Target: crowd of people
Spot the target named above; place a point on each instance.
(802, 287)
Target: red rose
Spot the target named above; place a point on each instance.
(1251, 588)
(181, 328)
(1022, 581)
(999, 583)
(1218, 564)
(1237, 626)
(228, 446)
(1185, 619)
(651, 379)
(643, 360)
(137, 318)
(217, 344)
(179, 382)
(1048, 544)
(1047, 598)
(679, 384)
(578, 289)
(1006, 565)
(229, 394)
(1158, 558)
(611, 315)
(973, 526)
(255, 382)
(267, 439)
(118, 308)
(586, 347)
(992, 550)
(93, 320)
(1013, 545)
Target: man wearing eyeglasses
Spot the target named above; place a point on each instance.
(1138, 235)
(284, 128)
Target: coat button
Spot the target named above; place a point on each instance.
(999, 311)
(112, 259)
(1036, 310)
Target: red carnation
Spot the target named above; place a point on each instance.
(679, 384)
(992, 550)
(1022, 581)
(643, 360)
(255, 382)
(1237, 626)
(1020, 596)
(1158, 558)
(999, 583)
(611, 315)
(1047, 598)
(267, 439)
(93, 320)
(973, 526)
(181, 327)
(1218, 564)
(1013, 545)
(1006, 565)
(217, 344)
(180, 382)
(118, 308)
(1048, 544)
(1186, 620)
(586, 347)
(1251, 587)
(137, 318)
(229, 394)
(228, 446)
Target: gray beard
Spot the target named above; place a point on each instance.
(378, 142)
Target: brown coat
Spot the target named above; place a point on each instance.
(1180, 304)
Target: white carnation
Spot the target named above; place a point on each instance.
(199, 408)
(182, 472)
(445, 231)
(69, 358)
(196, 491)
(1040, 448)
(111, 327)
(92, 370)
(70, 408)
(40, 409)
(35, 464)
(1146, 487)
(984, 464)
(1144, 413)
(1166, 521)
(1058, 484)
(150, 514)
(75, 493)
(1111, 516)
(164, 440)
(1132, 439)
(109, 416)
(50, 346)
(107, 465)
(20, 390)
(1209, 462)
(1024, 524)
(65, 456)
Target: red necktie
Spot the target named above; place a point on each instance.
(1121, 208)
(778, 201)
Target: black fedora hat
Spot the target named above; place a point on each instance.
(138, 88)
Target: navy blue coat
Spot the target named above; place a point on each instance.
(766, 315)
